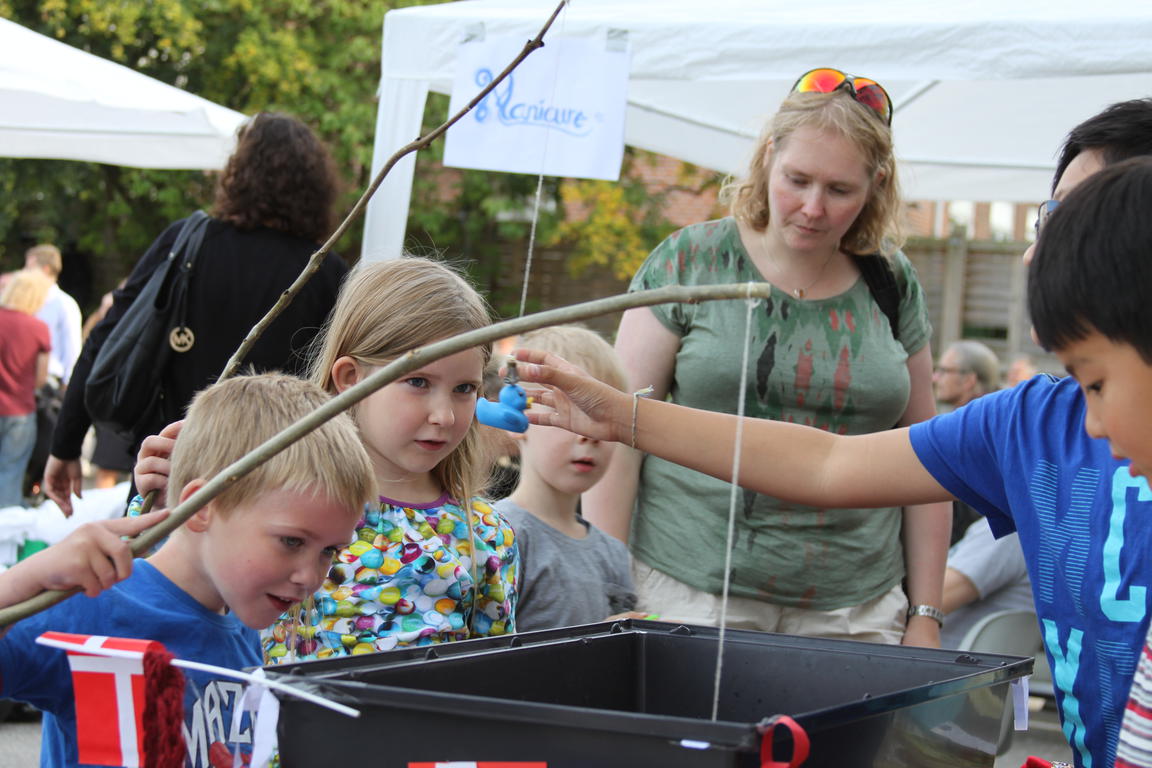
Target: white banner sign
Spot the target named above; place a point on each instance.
(561, 112)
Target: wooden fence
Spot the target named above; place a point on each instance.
(978, 290)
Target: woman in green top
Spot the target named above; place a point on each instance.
(821, 193)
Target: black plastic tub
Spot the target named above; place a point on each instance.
(640, 693)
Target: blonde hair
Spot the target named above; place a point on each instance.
(579, 346)
(26, 291)
(877, 228)
(390, 307)
(232, 417)
(46, 256)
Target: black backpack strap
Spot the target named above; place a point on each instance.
(184, 252)
(881, 281)
(190, 237)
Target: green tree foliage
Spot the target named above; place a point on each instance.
(317, 59)
(616, 224)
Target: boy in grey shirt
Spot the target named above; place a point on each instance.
(570, 572)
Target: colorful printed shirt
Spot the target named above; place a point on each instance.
(830, 363)
(408, 579)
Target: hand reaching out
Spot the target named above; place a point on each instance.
(577, 401)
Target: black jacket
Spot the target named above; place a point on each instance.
(239, 275)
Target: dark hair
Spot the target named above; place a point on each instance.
(281, 177)
(1121, 131)
(1093, 262)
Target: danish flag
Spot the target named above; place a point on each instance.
(110, 697)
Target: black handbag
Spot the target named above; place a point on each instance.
(125, 389)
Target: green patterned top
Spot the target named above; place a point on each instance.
(830, 363)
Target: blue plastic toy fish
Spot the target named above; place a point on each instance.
(508, 413)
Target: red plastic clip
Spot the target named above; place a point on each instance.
(1037, 762)
(799, 742)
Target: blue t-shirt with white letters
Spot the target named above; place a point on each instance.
(1021, 457)
(146, 605)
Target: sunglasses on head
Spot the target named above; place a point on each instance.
(867, 92)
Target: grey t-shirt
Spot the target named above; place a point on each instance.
(566, 581)
(997, 570)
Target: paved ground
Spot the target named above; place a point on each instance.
(20, 742)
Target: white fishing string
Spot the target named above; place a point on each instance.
(523, 303)
(540, 178)
(735, 489)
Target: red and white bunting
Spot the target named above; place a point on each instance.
(109, 695)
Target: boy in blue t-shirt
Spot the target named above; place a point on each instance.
(260, 546)
(1027, 458)
(1088, 298)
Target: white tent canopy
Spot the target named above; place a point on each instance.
(984, 90)
(59, 102)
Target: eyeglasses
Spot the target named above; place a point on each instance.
(945, 369)
(1043, 211)
(867, 92)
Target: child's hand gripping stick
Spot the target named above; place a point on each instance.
(508, 413)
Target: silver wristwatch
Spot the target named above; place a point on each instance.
(930, 611)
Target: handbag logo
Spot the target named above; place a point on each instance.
(181, 338)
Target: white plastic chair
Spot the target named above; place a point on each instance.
(1013, 633)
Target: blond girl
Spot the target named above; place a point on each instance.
(430, 563)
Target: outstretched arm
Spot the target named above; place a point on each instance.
(791, 462)
(648, 352)
(93, 558)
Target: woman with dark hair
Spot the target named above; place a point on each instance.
(273, 207)
(280, 177)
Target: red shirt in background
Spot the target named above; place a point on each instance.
(23, 338)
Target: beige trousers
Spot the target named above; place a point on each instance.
(880, 620)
